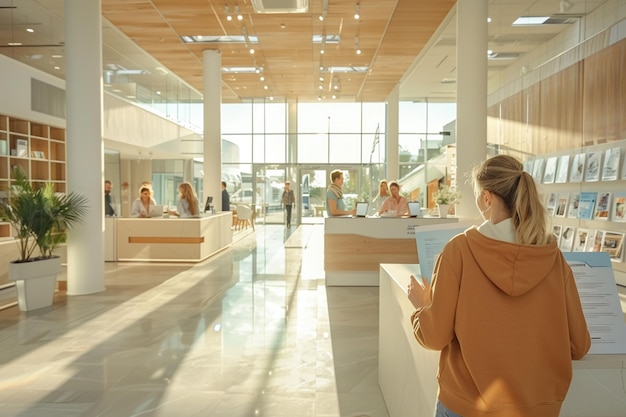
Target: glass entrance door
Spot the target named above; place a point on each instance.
(269, 184)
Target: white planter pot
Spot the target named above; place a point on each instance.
(443, 210)
(35, 282)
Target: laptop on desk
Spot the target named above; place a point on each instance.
(156, 211)
(361, 209)
(415, 209)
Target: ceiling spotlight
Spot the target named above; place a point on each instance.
(357, 12)
(321, 87)
(262, 78)
(334, 96)
(238, 12)
(319, 98)
(321, 79)
(229, 17)
(356, 45)
(265, 87)
(251, 51)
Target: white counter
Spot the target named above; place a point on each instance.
(407, 372)
(354, 247)
(172, 239)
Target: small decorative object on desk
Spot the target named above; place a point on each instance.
(445, 197)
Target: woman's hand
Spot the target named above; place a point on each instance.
(419, 292)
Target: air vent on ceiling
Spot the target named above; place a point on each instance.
(280, 6)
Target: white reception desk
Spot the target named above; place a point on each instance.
(355, 247)
(169, 239)
(407, 373)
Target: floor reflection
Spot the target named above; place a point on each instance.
(252, 331)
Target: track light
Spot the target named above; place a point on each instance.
(229, 17)
(357, 12)
(238, 12)
(356, 45)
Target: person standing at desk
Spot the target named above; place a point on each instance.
(288, 200)
(396, 203)
(335, 206)
(225, 198)
(503, 307)
(187, 204)
(108, 199)
(383, 194)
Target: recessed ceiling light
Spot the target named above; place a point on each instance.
(31, 30)
(530, 20)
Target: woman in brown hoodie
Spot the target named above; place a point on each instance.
(502, 307)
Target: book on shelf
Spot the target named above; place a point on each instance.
(587, 205)
(611, 164)
(618, 212)
(578, 168)
(613, 243)
(567, 238)
(21, 147)
(562, 169)
(561, 205)
(572, 210)
(603, 206)
(556, 231)
(538, 169)
(592, 171)
(550, 172)
(594, 241)
(580, 241)
(551, 203)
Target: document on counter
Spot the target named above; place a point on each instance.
(595, 281)
(430, 242)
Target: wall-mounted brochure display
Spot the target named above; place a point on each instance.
(584, 191)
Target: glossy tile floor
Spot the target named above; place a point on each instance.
(253, 331)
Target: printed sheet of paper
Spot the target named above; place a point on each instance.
(430, 241)
(598, 295)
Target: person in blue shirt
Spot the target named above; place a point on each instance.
(187, 204)
(335, 205)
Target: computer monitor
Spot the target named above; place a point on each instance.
(209, 204)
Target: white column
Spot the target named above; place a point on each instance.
(392, 153)
(85, 161)
(212, 84)
(471, 119)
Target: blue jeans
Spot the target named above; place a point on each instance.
(442, 411)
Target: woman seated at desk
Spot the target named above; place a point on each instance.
(187, 204)
(396, 205)
(143, 204)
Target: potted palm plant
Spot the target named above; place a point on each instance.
(40, 219)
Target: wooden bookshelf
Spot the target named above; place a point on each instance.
(38, 149)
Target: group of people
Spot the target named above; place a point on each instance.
(388, 201)
(502, 305)
(187, 204)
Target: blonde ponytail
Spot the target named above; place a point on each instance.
(504, 176)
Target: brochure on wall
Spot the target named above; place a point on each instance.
(430, 242)
(598, 295)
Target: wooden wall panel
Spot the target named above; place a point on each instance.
(561, 110)
(604, 94)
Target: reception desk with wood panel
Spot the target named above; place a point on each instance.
(172, 239)
(355, 247)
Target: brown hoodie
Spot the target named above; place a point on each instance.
(508, 321)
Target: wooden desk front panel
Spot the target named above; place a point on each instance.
(351, 252)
